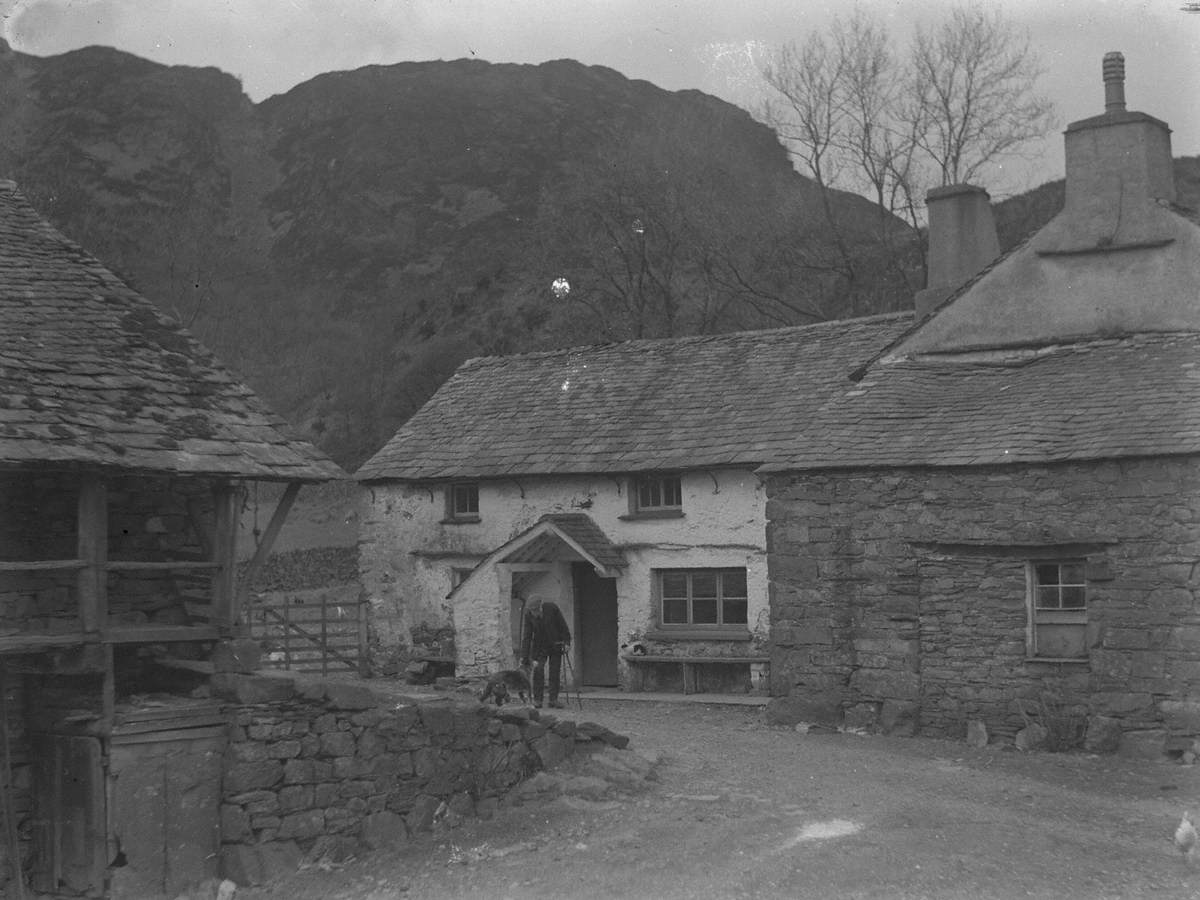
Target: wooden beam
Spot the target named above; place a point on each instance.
(93, 551)
(225, 530)
(44, 565)
(268, 540)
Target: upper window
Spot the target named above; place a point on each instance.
(703, 597)
(1058, 609)
(657, 495)
(462, 502)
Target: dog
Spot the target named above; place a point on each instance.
(501, 686)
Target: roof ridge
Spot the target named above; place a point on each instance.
(637, 343)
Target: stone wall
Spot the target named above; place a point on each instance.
(899, 598)
(325, 769)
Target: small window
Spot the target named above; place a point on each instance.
(657, 495)
(705, 598)
(462, 502)
(1058, 610)
(458, 576)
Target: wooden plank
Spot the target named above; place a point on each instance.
(181, 723)
(93, 551)
(226, 614)
(268, 538)
(43, 565)
(133, 565)
(33, 643)
(160, 634)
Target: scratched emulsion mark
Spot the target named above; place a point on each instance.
(821, 831)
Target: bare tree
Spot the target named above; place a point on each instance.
(860, 118)
(972, 82)
(669, 229)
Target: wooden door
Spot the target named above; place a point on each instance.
(68, 813)
(596, 626)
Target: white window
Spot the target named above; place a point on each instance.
(657, 495)
(462, 502)
(702, 598)
(1057, 609)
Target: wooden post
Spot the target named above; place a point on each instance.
(266, 544)
(93, 551)
(226, 614)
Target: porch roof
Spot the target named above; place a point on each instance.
(546, 540)
(92, 375)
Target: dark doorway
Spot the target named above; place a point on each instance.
(596, 615)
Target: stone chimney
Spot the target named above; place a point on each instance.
(962, 240)
(1117, 160)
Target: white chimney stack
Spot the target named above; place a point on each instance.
(1117, 159)
(962, 241)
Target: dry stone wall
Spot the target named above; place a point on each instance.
(899, 598)
(325, 769)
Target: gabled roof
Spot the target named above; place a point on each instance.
(552, 537)
(1103, 398)
(92, 375)
(692, 402)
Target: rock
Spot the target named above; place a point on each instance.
(1146, 744)
(862, 716)
(1103, 735)
(899, 717)
(541, 783)
(343, 695)
(383, 830)
(977, 735)
(1031, 737)
(262, 687)
(420, 817)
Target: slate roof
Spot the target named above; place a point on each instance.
(92, 375)
(692, 402)
(1137, 395)
(580, 528)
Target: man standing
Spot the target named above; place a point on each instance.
(545, 636)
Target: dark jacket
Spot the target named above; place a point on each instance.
(544, 634)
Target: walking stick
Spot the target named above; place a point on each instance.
(527, 671)
(578, 692)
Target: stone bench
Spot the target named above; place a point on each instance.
(688, 664)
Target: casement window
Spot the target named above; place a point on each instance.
(701, 598)
(462, 502)
(458, 575)
(656, 495)
(1057, 609)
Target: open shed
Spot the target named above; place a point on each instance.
(125, 454)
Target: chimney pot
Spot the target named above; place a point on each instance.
(1114, 82)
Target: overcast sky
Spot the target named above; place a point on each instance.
(712, 45)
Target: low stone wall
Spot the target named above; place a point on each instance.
(326, 769)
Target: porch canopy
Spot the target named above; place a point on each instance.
(555, 537)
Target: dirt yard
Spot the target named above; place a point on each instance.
(734, 808)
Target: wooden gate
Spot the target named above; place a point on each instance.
(310, 631)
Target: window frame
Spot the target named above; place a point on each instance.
(1058, 614)
(691, 628)
(453, 513)
(660, 483)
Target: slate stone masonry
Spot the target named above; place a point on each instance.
(898, 597)
(325, 769)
